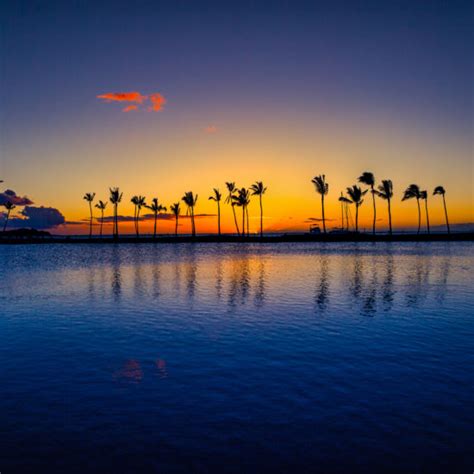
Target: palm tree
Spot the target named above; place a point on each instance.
(175, 209)
(369, 179)
(190, 200)
(322, 188)
(115, 198)
(101, 205)
(9, 206)
(156, 208)
(258, 189)
(139, 202)
(413, 191)
(440, 190)
(356, 194)
(89, 197)
(385, 191)
(230, 200)
(344, 209)
(217, 198)
(424, 196)
(242, 199)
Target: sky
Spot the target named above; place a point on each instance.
(160, 98)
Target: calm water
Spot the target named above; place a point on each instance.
(232, 358)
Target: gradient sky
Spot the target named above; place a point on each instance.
(272, 91)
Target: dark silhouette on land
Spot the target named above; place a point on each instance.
(321, 188)
(89, 197)
(258, 189)
(175, 209)
(217, 198)
(115, 198)
(369, 179)
(385, 191)
(190, 200)
(440, 190)
(9, 206)
(356, 194)
(156, 208)
(101, 205)
(424, 197)
(413, 192)
(230, 200)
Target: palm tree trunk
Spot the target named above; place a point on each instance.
(90, 223)
(342, 215)
(446, 214)
(247, 217)
(235, 219)
(375, 211)
(138, 216)
(154, 227)
(261, 217)
(243, 221)
(219, 218)
(322, 207)
(176, 227)
(6, 221)
(419, 215)
(116, 221)
(389, 217)
(427, 216)
(357, 218)
(346, 208)
(101, 222)
(192, 222)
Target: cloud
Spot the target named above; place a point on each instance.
(11, 196)
(317, 219)
(210, 129)
(37, 218)
(156, 100)
(123, 97)
(130, 108)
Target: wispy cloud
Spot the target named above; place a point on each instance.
(155, 100)
(210, 129)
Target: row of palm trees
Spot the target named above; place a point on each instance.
(355, 195)
(237, 197)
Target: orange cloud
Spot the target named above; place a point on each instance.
(210, 129)
(123, 97)
(157, 101)
(129, 108)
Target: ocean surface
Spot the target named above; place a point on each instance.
(307, 357)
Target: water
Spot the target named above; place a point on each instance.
(237, 358)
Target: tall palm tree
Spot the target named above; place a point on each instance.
(344, 210)
(101, 205)
(139, 202)
(356, 194)
(242, 199)
(9, 206)
(369, 179)
(424, 197)
(217, 198)
(385, 191)
(156, 208)
(441, 191)
(89, 197)
(258, 189)
(115, 198)
(190, 200)
(322, 188)
(230, 200)
(176, 209)
(413, 191)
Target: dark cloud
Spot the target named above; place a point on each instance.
(12, 196)
(317, 219)
(37, 218)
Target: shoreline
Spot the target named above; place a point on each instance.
(277, 238)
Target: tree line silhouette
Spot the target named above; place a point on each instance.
(240, 198)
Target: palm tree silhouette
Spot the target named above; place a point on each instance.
(413, 191)
(385, 191)
(441, 191)
(242, 199)
(175, 209)
(156, 208)
(89, 197)
(190, 200)
(230, 200)
(115, 198)
(101, 205)
(344, 210)
(9, 206)
(258, 189)
(139, 202)
(217, 198)
(356, 194)
(424, 197)
(322, 188)
(369, 179)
